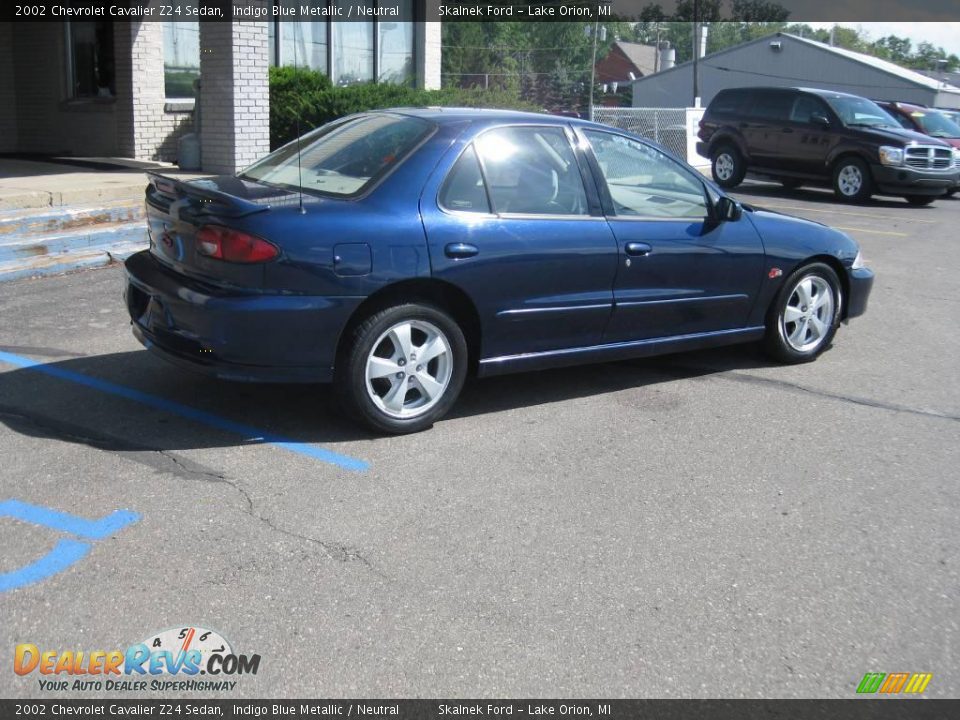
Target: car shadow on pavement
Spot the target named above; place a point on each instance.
(756, 194)
(125, 410)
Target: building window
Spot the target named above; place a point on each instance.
(347, 52)
(92, 68)
(352, 48)
(304, 44)
(181, 58)
(395, 49)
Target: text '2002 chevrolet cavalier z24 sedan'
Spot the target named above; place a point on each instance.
(393, 252)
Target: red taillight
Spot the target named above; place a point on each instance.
(223, 243)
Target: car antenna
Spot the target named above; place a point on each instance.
(296, 71)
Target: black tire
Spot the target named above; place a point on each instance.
(732, 168)
(951, 192)
(791, 183)
(852, 181)
(370, 338)
(783, 335)
(920, 200)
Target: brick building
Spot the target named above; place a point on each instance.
(125, 89)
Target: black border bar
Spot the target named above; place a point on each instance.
(471, 10)
(439, 709)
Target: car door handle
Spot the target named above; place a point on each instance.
(638, 248)
(460, 250)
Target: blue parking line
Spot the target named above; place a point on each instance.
(65, 522)
(64, 554)
(185, 411)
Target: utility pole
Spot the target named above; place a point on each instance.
(696, 53)
(593, 67)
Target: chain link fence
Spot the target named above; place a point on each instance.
(668, 127)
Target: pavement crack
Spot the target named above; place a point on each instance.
(168, 462)
(796, 387)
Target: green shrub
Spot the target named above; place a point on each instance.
(307, 96)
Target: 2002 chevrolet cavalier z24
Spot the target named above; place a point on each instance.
(393, 252)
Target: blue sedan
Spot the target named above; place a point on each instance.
(393, 252)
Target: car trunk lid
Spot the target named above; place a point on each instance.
(178, 209)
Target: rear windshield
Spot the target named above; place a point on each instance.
(342, 158)
(727, 102)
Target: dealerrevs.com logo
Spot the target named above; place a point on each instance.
(172, 660)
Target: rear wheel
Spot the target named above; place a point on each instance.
(851, 180)
(805, 315)
(920, 200)
(402, 368)
(727, 167)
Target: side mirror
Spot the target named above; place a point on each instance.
(820, 120)
(728, 209)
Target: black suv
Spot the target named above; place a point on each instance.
(799, 135)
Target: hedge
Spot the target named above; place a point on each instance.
(307, 96)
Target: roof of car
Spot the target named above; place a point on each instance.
(452, 114)
(442, 115)
(776, 88)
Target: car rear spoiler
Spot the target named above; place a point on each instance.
(213, 202)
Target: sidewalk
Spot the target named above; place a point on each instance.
(60, 216)
(43, 184)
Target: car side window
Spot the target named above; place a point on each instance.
(770, 106)
(463, 190)
(531, 171)
(804, 107)
(645, 182)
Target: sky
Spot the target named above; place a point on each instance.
(941, 34)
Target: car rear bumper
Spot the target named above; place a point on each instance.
(909, 181)
(251, 337)
(861, 283)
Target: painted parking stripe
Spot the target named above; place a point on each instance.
(66, 552)
(871, 216)
(872, 232)
(63, 555)
(65, 522)
(185, 411)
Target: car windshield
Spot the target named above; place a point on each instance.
(936, 123)
(342, 158)
(860, 112)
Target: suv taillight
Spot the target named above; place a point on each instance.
(222, 243)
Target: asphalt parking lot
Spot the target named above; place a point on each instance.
(704, 525)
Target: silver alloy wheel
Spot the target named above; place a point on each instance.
(409, 369)
(849, 180)
(724, 166)
(807, 318)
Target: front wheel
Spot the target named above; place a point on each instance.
(402, 368)
(920, 200)
(852, 181)
(805, 314)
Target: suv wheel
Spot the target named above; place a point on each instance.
(920, 200)
(728, 168)
(851, 180)
(805, 314)
(402, 368)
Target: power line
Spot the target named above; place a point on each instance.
(802, 79)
